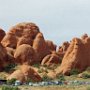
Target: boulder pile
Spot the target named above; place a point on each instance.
(25, 46)
(77, 56)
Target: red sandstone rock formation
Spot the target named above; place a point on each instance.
(10, 54)
(25, 32)
(51, 59)
(25, 54)
(25, 44)
(62, 49)
(77, 56)
(3, 57)
(25, 40)
(24, 73)
(30, 72)
(51, 45)
(40, 46)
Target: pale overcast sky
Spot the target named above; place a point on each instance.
(59, 20)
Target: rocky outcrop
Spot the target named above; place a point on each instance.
(77, 56)
(2, 34)
(22, 33)
(24, 73)
(25, 54)
(62, 49)
(51, 59)
(40, 46)
(30, 72)
(28, 33)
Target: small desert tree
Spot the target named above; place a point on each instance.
(12, 81)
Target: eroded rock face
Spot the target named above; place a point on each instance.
(10, 51)
(24, 73)
(23, 33)
(40, 46)
(51, 59)
(6, 57)
(2, 34)
(25, 54)
(77, 56)
(3, 57)
(25, 40)
(51, 45)
(10, 54)
(62, 49)
(30, 72)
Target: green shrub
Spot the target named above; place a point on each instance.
(40, 70)
(36, 65)
(9, 67)
(9, 88)
(46, 78)
(85, 75)
(61, 77)
(12, 81)
(74, 72)
(29, 80)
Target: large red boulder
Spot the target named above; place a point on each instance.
(18, 75)
(25, 54)
(30, 72)
(83, 37)
(25, 73)
(51, 59)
